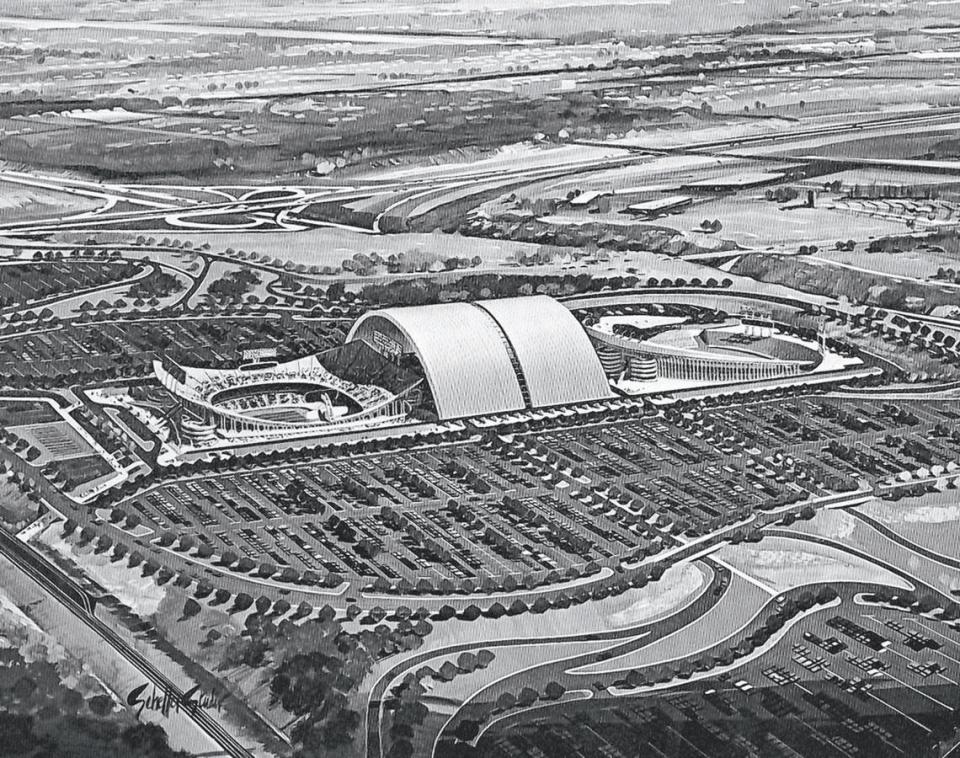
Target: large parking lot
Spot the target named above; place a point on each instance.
(110, 346)
(530, 505)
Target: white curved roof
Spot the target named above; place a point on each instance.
(472, 353)
(463, 355)
(555, 354)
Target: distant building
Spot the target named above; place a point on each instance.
(660, 206)
(587, 198)
(732, 182)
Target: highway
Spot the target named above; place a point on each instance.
(900, 121)
(80, 604)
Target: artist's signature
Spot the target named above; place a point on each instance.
(165, 701)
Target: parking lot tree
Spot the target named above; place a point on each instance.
(245, 565)
(203, 589)
(304, 609)
(326, 614)
(183, 581)
(135, 559)
(744, 648)
(367, 548)
(333, 579)
(579, 597)
(166, 539)
(133, 521)
(540, 605)
(190, 609)
(446, 612)
(204, 550)
(950, 612)
(826, 595)
(119, 550)
(220, 597)
(228, 558)
(928, 603)
(447, 672)
(725, 657)
(289, 574)
(422, 628)
(263, 605)
(471, 613)
(87, 534)
(467, 662)
(527, 697)
(467, 730)
(186, 543)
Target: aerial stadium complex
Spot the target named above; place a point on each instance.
(295, 398)
(648, 348)
(424, 363)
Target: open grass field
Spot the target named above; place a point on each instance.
(783, 564)
(56, 441)
(843, 528)
(633, 608)
(27, 204)
(931, 521)
(735, 609)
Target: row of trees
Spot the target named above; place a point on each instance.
(728, 653)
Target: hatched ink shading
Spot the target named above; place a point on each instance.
(492, 379)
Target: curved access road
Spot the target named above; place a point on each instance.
(653, 629)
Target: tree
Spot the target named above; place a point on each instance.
(928, 603)
(467, 662)
(466, 730)
(553, 691)
(190, 609)
(527, 697)
(186, 543)
(228, 558)
(826, 595)
(100, 705)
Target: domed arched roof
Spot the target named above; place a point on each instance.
(485, 357)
